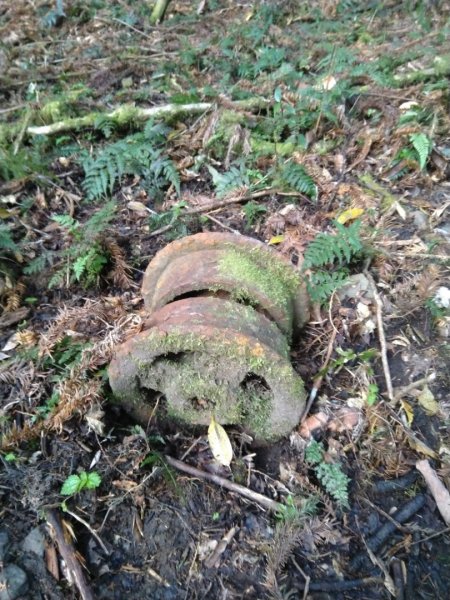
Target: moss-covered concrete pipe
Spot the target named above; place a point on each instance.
(206, 356)
(244, 268)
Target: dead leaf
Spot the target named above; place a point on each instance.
(420, 446)
(315, 422)
(427, 401)
(409, 412)
(219, 443)
(400, 210)
(276, 239)
(139, 208)
(127, 485)
(350, 215)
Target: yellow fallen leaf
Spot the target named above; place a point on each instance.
(408, 411)
(427, 401)
(349, 215)
(138, 207)
(219, 443)
(421, 447)
(276, 239)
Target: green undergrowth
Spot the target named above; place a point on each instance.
(330, 475)
(327, 259)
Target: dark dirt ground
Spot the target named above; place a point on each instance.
(148, 531)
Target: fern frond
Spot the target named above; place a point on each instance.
(422, 145)
(237, 177)
(134, 155)
(6, 240)
(296, 177)
(322, 284)
(329, 248)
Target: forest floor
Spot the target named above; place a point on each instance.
(286, 121)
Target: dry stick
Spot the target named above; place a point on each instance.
(381, 337)
(229, 485)
(214, 206)
(437, 489)
(403, 391)
(316, 387)
(94, 533)
(67, 552)
(220, 224)
(213, 559)
(126, 114)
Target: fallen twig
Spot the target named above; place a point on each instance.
(213, 559)
(437, 489)
(229, 485)
(68, 554)
(318, 382)
(94, 533)
(403, 391)
(381, 336)
(126, 114)
(196, 210)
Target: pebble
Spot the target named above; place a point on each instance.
(34, 542)
(13, 582)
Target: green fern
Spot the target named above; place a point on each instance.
(85, 258)
(134, 155)
(296, 177)
(38, 264)
(330, 475)
(321, 284)
(224, 183)
(422, 145)
(339, 247)
(328, 250)
(6, 240)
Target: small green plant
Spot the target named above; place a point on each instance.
(335, 250)
(252, 210)
(85, 256)
(330, 475)
(288, 511)
(10, 457)
(74, 484)
(372, 394)
(422, 146)
(234, 179)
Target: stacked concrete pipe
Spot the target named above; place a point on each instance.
(223, 310)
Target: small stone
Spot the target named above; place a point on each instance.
(34, 542)
(420, 220)
(13, 582)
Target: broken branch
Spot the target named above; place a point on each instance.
(437, 489)
(124, 115)
(229, 485)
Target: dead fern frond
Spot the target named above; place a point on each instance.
(410, 293)
(89, 319)
(14, 297)
(286, 538)
(76, 396)
(121, 272)
(26, 338)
